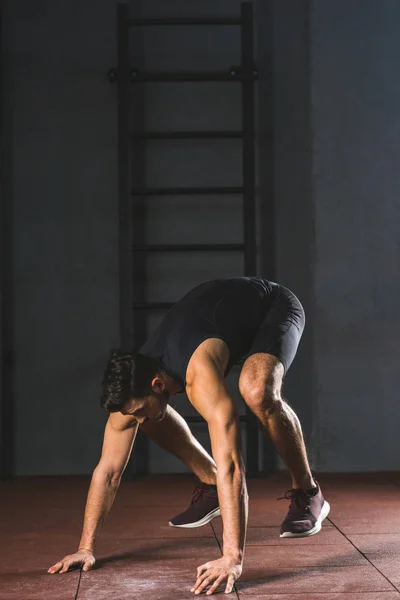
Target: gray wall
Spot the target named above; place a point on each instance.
(65, 227)
(336, 127)
(334, 120)
(65, 205)
(356, 121)
(285, 174)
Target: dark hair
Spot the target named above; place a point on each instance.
(127, 375)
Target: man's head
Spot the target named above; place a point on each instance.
(134, 384)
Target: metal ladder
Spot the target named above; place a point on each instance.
(124, 76)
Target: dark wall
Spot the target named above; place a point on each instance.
(65, 227)
(65, 203)
(286, 207)
(331, 167)
(336, 184)
(356, 123)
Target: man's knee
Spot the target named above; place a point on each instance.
(262, 397)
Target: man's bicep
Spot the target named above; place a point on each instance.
(119, 437)
(207, 391)
(210, 397)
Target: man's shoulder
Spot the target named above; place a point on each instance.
(211, 356)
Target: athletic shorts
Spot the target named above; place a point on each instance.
(281, 331)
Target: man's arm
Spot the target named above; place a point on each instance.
(119, 437)
(208, 393)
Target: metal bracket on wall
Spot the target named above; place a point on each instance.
(233, 74)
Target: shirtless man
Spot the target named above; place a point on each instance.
(213, 327)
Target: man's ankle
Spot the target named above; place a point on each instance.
(308, 483)
(208, 479)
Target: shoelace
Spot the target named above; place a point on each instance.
(197, 493)
(300, 499)
(200, 489)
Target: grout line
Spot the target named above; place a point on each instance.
(220, 549)
(78, 586)
(364, 555)
(285, 594)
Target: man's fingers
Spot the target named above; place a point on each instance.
(66, 566)
(199, 580)
(204, 584)
(201, 570)
(215, 585)
(230, 584)
(87, 565)
(55, 568)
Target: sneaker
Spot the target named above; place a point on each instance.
(306, 512)
(203, 507)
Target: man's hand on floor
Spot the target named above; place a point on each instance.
(216, 572)
(83, 558)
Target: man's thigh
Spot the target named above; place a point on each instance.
(278, 336)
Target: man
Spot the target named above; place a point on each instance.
(213, 327)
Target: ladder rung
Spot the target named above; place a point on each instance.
(185, 76)
(153, 305)
(189, 248)
(185, 21)
(185, 191)
(196, 419)
(189, 135)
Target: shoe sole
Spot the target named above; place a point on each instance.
(214, 513)
(317, 527)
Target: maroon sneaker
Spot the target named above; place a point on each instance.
(306, 512)
(203, 507)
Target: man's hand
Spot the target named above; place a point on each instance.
(216, 572)
(83, 558)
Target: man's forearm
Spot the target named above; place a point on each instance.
(233, 501)
(99, 501)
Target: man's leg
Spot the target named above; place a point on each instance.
(173, 434)
(260, 385)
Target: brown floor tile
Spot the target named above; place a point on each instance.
(33, 585)
(327, 596)
(126, 523)
(148, 580)
(267, 512)
(71, 492)
(349, 479)
(269, 536)
(263, 581)
(384, 553)
(367, 520)
(41, 520)
(23, 568)
(274, 557)
(366, 509)
(149, 569)
(112, 550)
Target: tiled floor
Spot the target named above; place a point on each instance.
(356, 556)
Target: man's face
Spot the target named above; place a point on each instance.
(152, 407)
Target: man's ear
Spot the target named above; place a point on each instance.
(158, 384)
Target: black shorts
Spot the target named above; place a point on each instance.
(281, 331)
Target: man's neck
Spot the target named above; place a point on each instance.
(171, 386)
